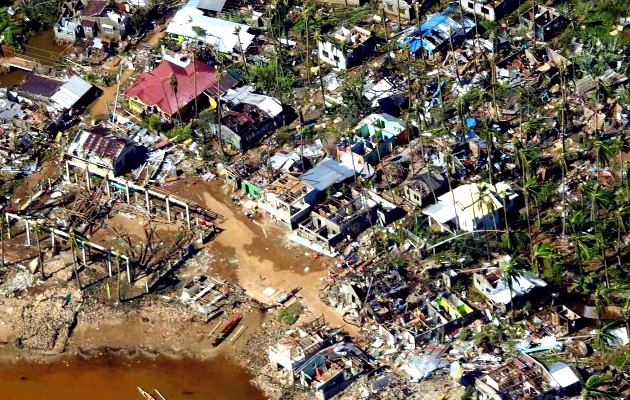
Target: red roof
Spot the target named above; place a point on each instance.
(154, 88)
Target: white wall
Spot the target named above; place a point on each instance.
(333, 51)
(478, 8)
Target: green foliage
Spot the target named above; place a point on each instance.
(12, 31)
(199, 31)
(267, 76)
(469, 393)
(42, 14)
(471, 246)
(152, 122)
(290, 314)
(598, 19)
(180, 132)
(9, 186)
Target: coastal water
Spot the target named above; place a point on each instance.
(117, 378)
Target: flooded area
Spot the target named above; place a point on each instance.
(40, 48)
(118, 378)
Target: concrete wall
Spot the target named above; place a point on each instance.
(331, 54)
(393, 7)
(487, 11)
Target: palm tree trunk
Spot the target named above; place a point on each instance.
(194, 61)
(2, 241)
(308, 55)
(321, 82)
(220, 133)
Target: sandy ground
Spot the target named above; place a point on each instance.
(266, 258)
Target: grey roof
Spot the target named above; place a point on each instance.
(326, 173)
(426, 182)
(71, 92)
(209, 5)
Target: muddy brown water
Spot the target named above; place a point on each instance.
(108, 378)
(40, 48)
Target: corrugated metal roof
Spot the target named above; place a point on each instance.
(71, 92)
(210, 5)
(326, 173)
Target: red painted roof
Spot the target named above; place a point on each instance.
(154, 88)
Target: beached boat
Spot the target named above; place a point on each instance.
(286, 297)
(147, 396)
(229, 327)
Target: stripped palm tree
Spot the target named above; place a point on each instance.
(172, 81)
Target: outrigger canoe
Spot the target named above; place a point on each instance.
(227, 329)
(286, 297)
(147, 396)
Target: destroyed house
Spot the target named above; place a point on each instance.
(422, 318)
(491, 10)
(332, 369)
(287, 199)
(246, 125)
(546, 23)
(101, 18)
(326, 175)
(295, 348)
(494, 286)
(436, 34)
(524, 377)
(267, 105)
(39, 88)
(374, 137)
(98, 147)
(403, 9)
(471, 207)
(420, 189)
(93, 18)
(345, 214)
(346, 48)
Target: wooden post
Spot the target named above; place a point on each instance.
(87, 179)
(8, 226)
(168, 210)
(67, 171)
(109, 263)
(127, 191)
(146, 195)
(28, 232)
(188, 216)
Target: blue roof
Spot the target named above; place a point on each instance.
(326, 173)
(434, 31)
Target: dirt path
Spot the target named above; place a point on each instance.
(108, 96)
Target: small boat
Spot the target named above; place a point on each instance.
(229, 327)
(147, 396)
(286, 297)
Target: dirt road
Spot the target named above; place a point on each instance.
(99, 107)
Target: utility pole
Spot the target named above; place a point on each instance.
(119, 78)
